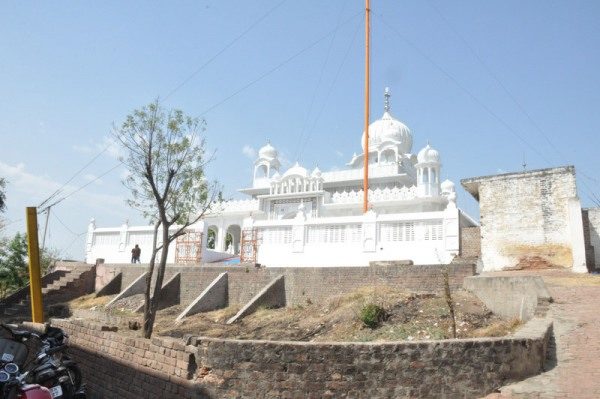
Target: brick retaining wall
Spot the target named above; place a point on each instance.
(301, 284)
(127, 367)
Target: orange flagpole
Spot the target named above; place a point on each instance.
(367, 92)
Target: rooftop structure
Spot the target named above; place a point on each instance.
(302, 217)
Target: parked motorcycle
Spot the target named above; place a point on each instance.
(52, 368)
(13, 385)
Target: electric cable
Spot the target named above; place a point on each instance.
(81, 188)
(55, 193)
(274, 69)
(331, 86)
(467, 91)
(512, 97)
(318, 85)
(231, 43)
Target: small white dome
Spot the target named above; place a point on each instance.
(296, 170)
(428, 155)
(447, 186)
(316, 172)
(268, 151)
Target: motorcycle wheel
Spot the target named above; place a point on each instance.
(71, 386)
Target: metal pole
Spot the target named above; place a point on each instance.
(35, 280)
(367, 92)
(45, 228)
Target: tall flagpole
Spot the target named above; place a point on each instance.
(367, 92)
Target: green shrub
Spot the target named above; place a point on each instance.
(372, 315)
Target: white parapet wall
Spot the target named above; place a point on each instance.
(114, 244)
(423, 238)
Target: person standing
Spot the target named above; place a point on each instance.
(136, 252)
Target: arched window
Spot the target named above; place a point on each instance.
(262, 171)
(388, 156)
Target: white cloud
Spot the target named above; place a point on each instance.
(92, 177)
(249, 152)
(33, 189)
(339, 153)
(111, 146)
(82, 149)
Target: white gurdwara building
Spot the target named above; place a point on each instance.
(314, 218)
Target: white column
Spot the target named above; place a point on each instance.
(369, 231)
(220, 244)
(298, 227)
(451, 232)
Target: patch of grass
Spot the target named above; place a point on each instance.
(89, 301)
(372, 315)
(497, 329)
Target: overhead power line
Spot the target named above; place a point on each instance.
(467, 91)
(80, 188)
(55, 193)
(318, 85)
(218, 53)
(331, 86)
(592, 196)
(277, 67)
(170, 93)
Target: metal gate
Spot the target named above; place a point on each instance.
(249, 245)
(188, 248)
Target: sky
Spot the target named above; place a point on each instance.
(490, 85)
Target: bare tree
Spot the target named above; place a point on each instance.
(448, 296)
(165, 158)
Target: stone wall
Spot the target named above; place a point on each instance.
(114, 365)
(510, 296)
(301, 284)
(470, 242)
(591, 218)
(530, 219)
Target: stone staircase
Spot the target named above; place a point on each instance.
(65, 286)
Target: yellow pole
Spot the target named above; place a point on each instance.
(35, 280)
(367, 92)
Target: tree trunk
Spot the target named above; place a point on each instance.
(154, 300)
(148, 318)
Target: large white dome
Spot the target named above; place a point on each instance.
(268, 151)
(388, 129)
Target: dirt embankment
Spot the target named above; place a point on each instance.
(407, 317)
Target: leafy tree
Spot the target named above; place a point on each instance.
(14, 271)
(2, 195)
(211, 239)
(165, 157)
(2, 199)
(13, 264)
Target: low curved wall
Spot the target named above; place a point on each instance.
(120, 366)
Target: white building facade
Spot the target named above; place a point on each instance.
(305, 218)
